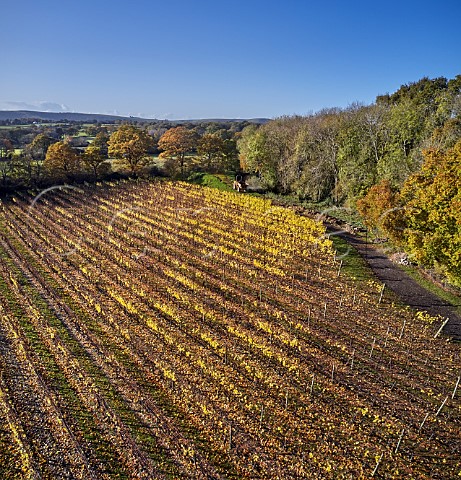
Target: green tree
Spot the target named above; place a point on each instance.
(39, 146)
(101, 141)
(129, 145)
(256, 155)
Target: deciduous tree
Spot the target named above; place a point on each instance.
(433, 212)
(176, 144)
(62, 161)
(93, 158)
(210, 147)
(129, 145)
(39, 146)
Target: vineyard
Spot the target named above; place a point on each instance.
(164, 330)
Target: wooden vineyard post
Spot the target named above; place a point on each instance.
(312, 385)
(261, 417)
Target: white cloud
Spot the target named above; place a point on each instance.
(39, 106)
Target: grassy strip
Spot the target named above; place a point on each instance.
(353, 264)
(213, 181)
(445, 295)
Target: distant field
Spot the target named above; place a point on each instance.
(166, 330)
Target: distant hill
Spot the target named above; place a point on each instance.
(29, 115)
(57, 116)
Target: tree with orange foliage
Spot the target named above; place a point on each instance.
(380, 208)
(176, 143)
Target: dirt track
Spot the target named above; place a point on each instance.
(410, 292)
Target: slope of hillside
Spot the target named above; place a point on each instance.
(165, 330)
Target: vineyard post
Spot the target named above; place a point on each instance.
(339, 269)
(381, 293)
(333, 372)
(325, 310)
(423, 422)
(441, 406)
(286, 400)
(403, 329)
(387, 336)
(400, 440)
(373, 346)
(441, 328)
(352, 360)
(312, 385)
(456, 388)
(261, 417)
(377, 465)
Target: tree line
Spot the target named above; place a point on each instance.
(338, 154)
(123, 149)
(397, 161)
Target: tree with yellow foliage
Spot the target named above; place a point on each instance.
(62, 161)
(129, 145)
(432, 199)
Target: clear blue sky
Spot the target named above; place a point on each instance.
(210, 58)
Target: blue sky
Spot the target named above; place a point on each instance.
(234, 59)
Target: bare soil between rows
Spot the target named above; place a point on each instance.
(407, 289)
